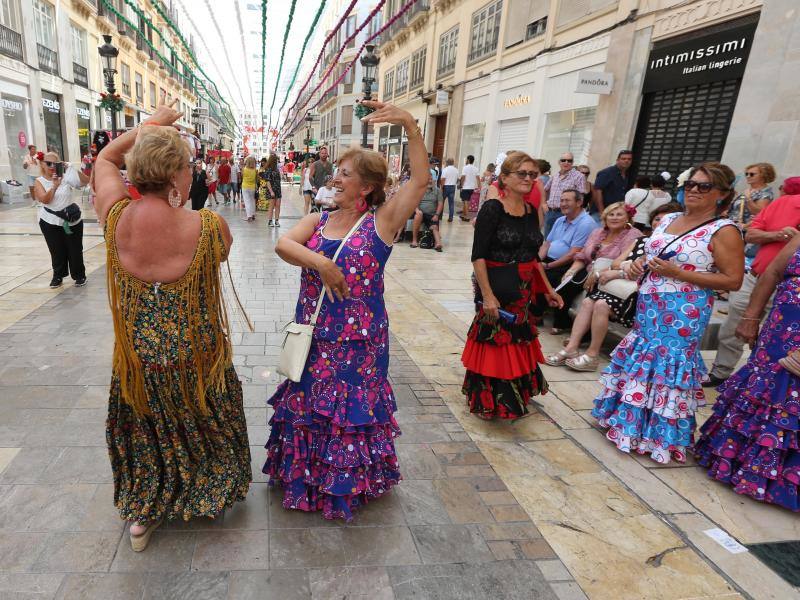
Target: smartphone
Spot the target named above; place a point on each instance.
(59, 167)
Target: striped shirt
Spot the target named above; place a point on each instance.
(574, 179)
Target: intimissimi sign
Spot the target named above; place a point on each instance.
(717, 56)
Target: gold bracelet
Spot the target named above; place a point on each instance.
(416, 131)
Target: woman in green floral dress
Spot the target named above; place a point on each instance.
(176, 431)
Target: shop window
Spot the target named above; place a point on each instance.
(568, 131)
(388, 85)
(401, 79)
(536, 28)
(17, 124)
(448, 45)
(472, 141)
(418, 68)
(485, 31)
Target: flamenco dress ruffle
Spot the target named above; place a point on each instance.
(652, 387)
(502, 359)
(331, 444)
(752, 439)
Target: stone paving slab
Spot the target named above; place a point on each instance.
(451, 529)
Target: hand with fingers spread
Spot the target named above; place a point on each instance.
(334, 281)
(388, 113)
(165, 114)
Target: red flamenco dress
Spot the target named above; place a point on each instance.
(502, 358)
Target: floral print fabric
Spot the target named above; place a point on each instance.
(331, 446)
(752, 439)
(652, 387)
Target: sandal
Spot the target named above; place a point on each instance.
(414, 246)
(139, 542)
(557, 331)
(438, 248)
(584, 362)
(559, 358)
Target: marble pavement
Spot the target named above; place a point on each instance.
(542, 508)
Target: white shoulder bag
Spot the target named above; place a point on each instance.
(297, 339)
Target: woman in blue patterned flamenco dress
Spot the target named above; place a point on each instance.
(331, 446)
(653, 385)
(752, 439)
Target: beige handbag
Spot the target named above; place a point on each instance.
(297, 341)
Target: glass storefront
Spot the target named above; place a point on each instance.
(51, 109)
(569, 131)
(472, 142)
(84, 117)
(16, 118)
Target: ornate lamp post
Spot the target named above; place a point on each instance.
(309, 120)
(369, 63)
(108, 56)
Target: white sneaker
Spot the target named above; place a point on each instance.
(270, 224)
(277, 224)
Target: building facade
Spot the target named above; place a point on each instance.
(51, 77)
(677, 81)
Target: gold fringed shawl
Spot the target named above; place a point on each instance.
(207, 331)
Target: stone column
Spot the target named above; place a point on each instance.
(766, 122)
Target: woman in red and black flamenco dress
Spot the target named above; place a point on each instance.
(502, 353)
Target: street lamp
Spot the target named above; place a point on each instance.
(309, 120)
(108, 56)
(369, 63)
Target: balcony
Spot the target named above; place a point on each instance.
(408, 17)
(48, 59)
(80, 75)
(10, 42)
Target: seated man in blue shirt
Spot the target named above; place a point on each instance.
(565, 240)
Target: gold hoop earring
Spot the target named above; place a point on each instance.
(174, 198)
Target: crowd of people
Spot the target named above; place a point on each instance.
(176, 431)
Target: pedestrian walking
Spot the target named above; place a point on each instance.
(502, 353)
(176, 430)
(198, 192)
(30, 163)
(249, 177)
(211, 172)
(60, 217)
(449, 180)
(469, 182)
(320, 170)
(652, 389)
(305, 178)
(331, 445)
(769, 231)
(224, 180)
(750, 439)
(236, 180)
(273, 182)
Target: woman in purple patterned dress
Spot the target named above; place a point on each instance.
(331, 446)
(752, 439)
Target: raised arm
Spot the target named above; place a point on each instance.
(392, 215)
(107, 182)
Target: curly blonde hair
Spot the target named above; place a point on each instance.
(158, 154)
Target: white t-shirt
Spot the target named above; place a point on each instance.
(645, 201)
(61, 199)
(471, 175)
(450, 175)
(325, 196)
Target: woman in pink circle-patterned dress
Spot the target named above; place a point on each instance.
(331, 446)
(653, 385)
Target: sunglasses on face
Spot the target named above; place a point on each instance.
(751, 174)
(526, 174)
(50, 163)
(702, 186)
(565, 160)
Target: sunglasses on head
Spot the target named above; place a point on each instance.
(702, 186)
(527, 174)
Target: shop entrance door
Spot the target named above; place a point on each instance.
(513, 135)
(439, 132)
(682, 127)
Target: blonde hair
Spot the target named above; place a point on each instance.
(611, 208)
(372, 169)
(42, 166)
(158, 154)
(250, 162)
(766, 169)
(513, 162)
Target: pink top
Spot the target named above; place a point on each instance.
(593, 247)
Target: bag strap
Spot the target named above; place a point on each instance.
(646, 270)
(646, 196)
(355, 227)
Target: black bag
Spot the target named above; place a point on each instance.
(70, 214)
(426, 240)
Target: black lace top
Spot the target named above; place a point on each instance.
(501, 237)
